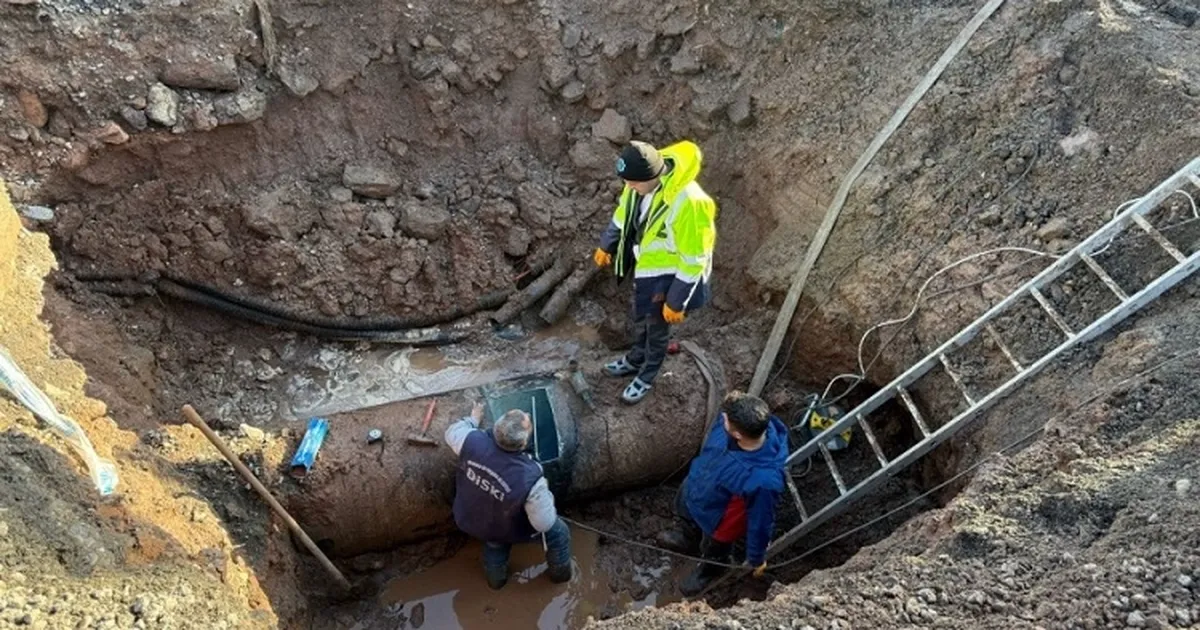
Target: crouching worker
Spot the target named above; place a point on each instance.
(501, 496)
(731, 490)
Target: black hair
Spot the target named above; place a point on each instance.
(748, 414)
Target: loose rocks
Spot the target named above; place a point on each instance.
(425, 220)
(369, 181)
(192, 70)
(162, 105)
(32, 108)
(613, 127)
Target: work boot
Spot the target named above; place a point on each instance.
(679, 540)
(699, 579)
(559, 573)
(497, 576)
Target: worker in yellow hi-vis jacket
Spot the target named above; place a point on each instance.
(662, 234)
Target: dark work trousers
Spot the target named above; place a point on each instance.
(651, 335)
(710, 549)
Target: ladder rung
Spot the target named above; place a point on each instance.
(1052, 312)
(1159, 238)
(866, 428)
(1104, 277)
(837, 476)
(962, 387)
(995, 335)
(791, 484)
(912, 409)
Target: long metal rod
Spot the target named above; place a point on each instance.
(1052, 312)
(1159, 238)
(1104, 277)
(1096, 241)
(195, 420)
(1008, 353)
(866, 429)
(957, 378)
(911, 405)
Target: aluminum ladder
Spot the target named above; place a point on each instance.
(1083, 253)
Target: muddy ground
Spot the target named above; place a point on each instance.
(363, 161)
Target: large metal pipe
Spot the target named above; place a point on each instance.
(558, 303)
(363, 497)
(532, 293)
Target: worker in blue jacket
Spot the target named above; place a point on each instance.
(731, 490)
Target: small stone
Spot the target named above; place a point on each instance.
(111, 133)
(254, 434)
(162, 105)
(381, 224)
(240, 108)
(573, 91)
(593, 156)
(341, 194)
(518, 241)
(1054, 229)
(1085, 140)
(433, 43)
(990, 217)
(1185, 581)
(613, 127)
(557, 70)
(1135, 619)
(741, 110)
(1183, 617)
(686, 62)
(191, 70)
(927, 595)
(136, 118)
(369, 181)
(1067, 74)
(1182, 486)
(32, 108)
(216, 251)
(571, 36)
(425, 220)
(20, 134)
(40, 214)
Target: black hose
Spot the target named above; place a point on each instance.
(414, 336)
(485, 302)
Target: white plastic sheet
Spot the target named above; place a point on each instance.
(102, 471)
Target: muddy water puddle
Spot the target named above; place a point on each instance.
(453, 595)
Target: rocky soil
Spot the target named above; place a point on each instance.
(366, 160)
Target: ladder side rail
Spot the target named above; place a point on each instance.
(1097, 240)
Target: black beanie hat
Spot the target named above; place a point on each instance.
(639, 162)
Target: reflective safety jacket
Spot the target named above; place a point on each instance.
(670, 253)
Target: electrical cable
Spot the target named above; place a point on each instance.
(1195, 351)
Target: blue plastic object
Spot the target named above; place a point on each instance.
(313, 437)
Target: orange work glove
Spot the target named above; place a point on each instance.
(601, 258)
(672, 316)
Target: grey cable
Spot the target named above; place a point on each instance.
(907, 504)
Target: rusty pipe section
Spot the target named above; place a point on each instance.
(362, 497)
(565, 294)
(532, 293)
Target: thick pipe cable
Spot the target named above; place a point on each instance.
(485, 302)
(566, 292)
(416, 337)
(532, 293)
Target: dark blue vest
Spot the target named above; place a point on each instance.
(490, 490)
